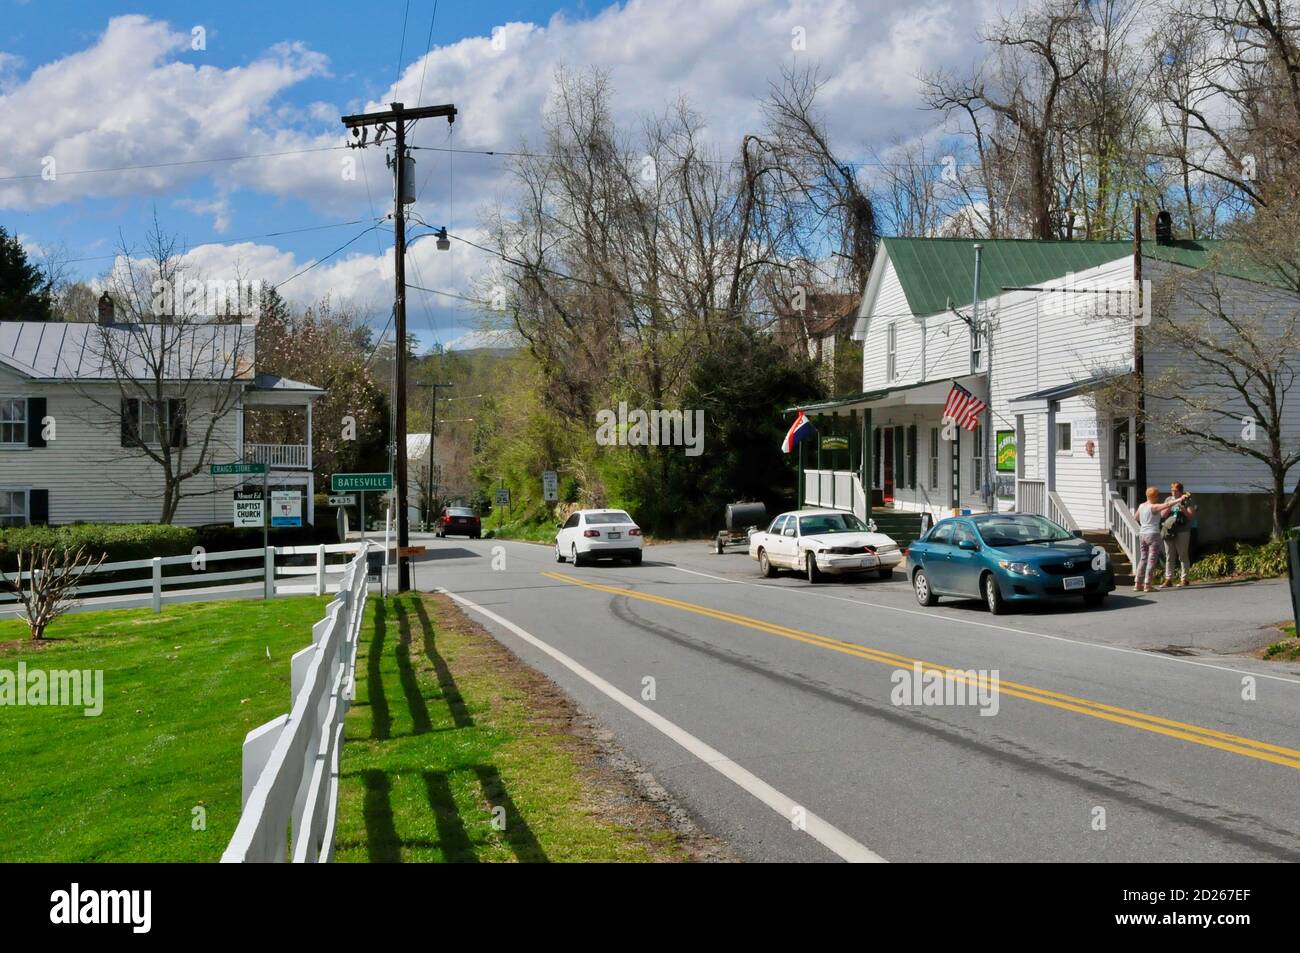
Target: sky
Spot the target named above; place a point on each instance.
(182, 88)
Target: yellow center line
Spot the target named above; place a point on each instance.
(1209, 737)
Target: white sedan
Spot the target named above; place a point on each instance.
(588, 535)
(823, 541)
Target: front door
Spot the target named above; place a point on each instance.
(887, 464)
(1121, 460)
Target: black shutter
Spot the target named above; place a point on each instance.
(179, 433)
(38, 506)
(911, 457)
(130, 422)
(875, 458)
(35, 414)
(900, 458)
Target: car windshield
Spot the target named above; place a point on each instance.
(459, 511)
(618, 516)
(1018, 530)
(830, 523)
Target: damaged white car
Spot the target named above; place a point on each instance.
(823, 542)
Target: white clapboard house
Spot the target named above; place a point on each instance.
(75, 416)
(1061, 329)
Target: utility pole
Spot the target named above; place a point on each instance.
(433, 421)
(395, 120)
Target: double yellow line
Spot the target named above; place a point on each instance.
(1210, 738)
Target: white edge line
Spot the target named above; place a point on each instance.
(1154, 656)
(820, 830)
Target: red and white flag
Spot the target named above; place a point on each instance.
(963, 407)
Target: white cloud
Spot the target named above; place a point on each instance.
(130, 100)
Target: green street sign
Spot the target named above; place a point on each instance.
(348, 482)
(224, 469)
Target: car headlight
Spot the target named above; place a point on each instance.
(1018, 569)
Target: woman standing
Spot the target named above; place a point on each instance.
(1178, 537)
(1149, 515)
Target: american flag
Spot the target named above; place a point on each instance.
(963, 407)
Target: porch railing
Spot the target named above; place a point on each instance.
(286, 455)
(838, 489)
(1123, 526)
(1058, 513)
(1031, 497)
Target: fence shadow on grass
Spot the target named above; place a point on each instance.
(450, 693)
(381, 719)
(384, 844)
(456, 840)
(420, 721)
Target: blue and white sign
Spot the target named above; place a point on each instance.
(286, 508)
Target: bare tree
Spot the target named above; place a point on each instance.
(1015, 110)
(1229, 87)
(1222, 357)
(52, 574)
(170, 368)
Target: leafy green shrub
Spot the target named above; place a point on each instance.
(1246, 559)
(221, 537)
(118, 541)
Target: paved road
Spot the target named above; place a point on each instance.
(773, 717)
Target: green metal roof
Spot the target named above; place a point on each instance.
(940, 272)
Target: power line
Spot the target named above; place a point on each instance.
(508, 153)
(247, 238)
(401, 49)
(428, 45)
(321, 261)
(181, 162)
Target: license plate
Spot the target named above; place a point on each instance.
(1074, 582)
(615, 535)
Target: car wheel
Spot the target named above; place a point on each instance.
(573, 555)
(718, 545)
(765, 565)
(924, 594)
(810, 567)
(993, 595)
(1094, 600)
(636, 560)
(559, 556)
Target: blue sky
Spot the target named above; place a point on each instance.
(104, 85)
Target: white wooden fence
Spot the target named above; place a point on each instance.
(149, 587)
(291, 763)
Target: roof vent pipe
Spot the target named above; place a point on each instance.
(106, 310)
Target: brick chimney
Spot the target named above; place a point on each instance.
(105, 310)
(1164, 228)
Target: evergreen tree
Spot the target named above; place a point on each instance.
(24, 292)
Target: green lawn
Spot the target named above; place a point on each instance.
(447, 731)
(181, 689)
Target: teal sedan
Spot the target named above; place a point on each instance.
(1004, 558)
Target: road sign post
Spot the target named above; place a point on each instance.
(244, 469)
(360, 483)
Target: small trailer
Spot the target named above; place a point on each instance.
(742, 519)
